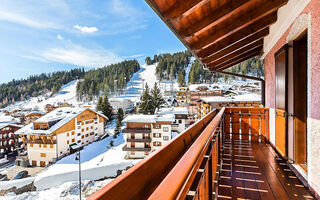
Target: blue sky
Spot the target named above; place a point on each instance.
(50, 35)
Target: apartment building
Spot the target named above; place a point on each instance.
(146, 133)
(8, 140)
(57, 133)
(181, 115)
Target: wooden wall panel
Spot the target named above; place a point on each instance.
(69, 126)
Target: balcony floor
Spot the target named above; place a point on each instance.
(253, 170)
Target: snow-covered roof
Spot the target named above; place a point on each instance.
(215, 99)
(244, 97)
(8, 120)
(173, 110)
(62, 115)
(36, 112)
(3, 125)
(149, 118)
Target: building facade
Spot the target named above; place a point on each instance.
(146, 133)
(8, 140)
(59, 132)
(181, 115)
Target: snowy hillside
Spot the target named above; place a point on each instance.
(67, 94)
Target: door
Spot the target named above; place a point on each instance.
(281, 91)
(34, 163)
(300, 99)
(42, 164)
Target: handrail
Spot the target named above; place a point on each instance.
(176, 183)
(140, 181)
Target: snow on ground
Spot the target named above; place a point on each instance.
(67, 94)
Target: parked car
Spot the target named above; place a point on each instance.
(3, 177)
(20, 175)
(13, 153)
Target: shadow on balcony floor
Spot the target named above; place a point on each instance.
(253, 170)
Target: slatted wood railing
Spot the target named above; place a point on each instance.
(246, 123)
(183, 169)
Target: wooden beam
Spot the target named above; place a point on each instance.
(241, 50)
(265, 15)
(236, 61)
(235, 58)
(231, 43)
(220, 14)
(181, 7)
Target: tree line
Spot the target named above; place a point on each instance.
(107, 79)
(198, 74)
(170, 65)
(35, 85)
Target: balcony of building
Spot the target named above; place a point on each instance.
(137, 130)
(144, 139)
(146, 149)
(225, 155)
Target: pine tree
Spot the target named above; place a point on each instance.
(156, 98)
(120, 114)
(99, 105)
(106, 107)
(148, 60)
(145, 106)
(181, 79)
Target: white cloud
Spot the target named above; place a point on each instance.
(59, 37)
(78, 55)
(24, 20)
(86, 29)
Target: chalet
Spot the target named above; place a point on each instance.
(8, 140)
(55, 134)
(146, 133)
(242, 153)
(126, 104)
(32, 116)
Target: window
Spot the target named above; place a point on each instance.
(72, 133)
(82, 123)
(146, 126)
(166, 138)
(156, 144)
(51, 146)
(67, 134)
(87, 135)
(91, 127)
(82, 136)
(157, 126)
(43, 155)
(82, 130)
(44, 146)
(87, 122)
(87, 128)
(39, 145)
(180, 121)
(73, 140)
(132, 152)
(157, 135)
(165, 129)
(31, 145)
(79, 127)
(67, 141)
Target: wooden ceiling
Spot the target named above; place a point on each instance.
(221, 33)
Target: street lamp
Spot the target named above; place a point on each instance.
(78, 158)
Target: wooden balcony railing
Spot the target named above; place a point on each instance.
(146, 139)
(246, 123)
(174, 168)
(137, 130)
(203, 163)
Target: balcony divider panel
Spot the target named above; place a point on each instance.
(235, 124)
(255, 124)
